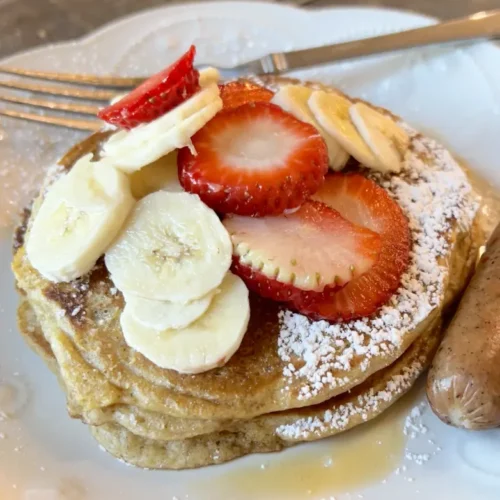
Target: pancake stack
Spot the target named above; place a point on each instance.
(292, 379)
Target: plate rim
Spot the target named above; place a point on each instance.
(120, 22)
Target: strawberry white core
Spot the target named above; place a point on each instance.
(256, 145)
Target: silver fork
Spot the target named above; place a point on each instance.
(87, 91)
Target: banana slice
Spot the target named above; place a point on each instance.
(93, 185)
(160, 175)
(385, 138)
(164, 315)
(130, 150)
(181, 136)
(293, 99)
(118, 97)
(78, 219)
(207, 343)
(209, 76)
(332, 112)
(173, 247)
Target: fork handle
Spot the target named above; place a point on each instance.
(480, 25)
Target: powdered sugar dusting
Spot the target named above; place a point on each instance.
(367, 403)
(421, 446)
(25, 150)
(54, 173)
(435, 194)
(413, 423)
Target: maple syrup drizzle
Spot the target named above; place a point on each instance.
(352, 460)
(490, 207)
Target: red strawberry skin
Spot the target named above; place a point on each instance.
(363, 202)
(254, 160)
(313, 240)
(234, 94)
(156, 96)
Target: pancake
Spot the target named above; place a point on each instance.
(267, 433)
(277, 367)
(148, 424)
(290, 379)
(30, 329)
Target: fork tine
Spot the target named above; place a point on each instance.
(101, 81)
(59, 121)
(94, 95)
(86, 109)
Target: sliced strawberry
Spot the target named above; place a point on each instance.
(364, 203)
(157, 95)
(289, 256)
(254, 160)
(234, 94)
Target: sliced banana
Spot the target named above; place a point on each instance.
(181, 136)
(130, 150)
(332, 112)
(385, 138)
(209, 76)
(294, 99)
(164, 315)
(207, 343)
(118, 97)
(160, 175)
(78, 219)
(92, 186)
(173, 247)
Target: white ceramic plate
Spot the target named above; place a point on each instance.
(453, 94)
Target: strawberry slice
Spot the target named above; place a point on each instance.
(366, 204)
(255, 160)
(156, 96)
(298, 255)
(234, 94)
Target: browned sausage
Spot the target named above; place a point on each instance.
(463, 385)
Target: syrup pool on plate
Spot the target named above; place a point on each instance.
(490, 197)
(350, 461)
